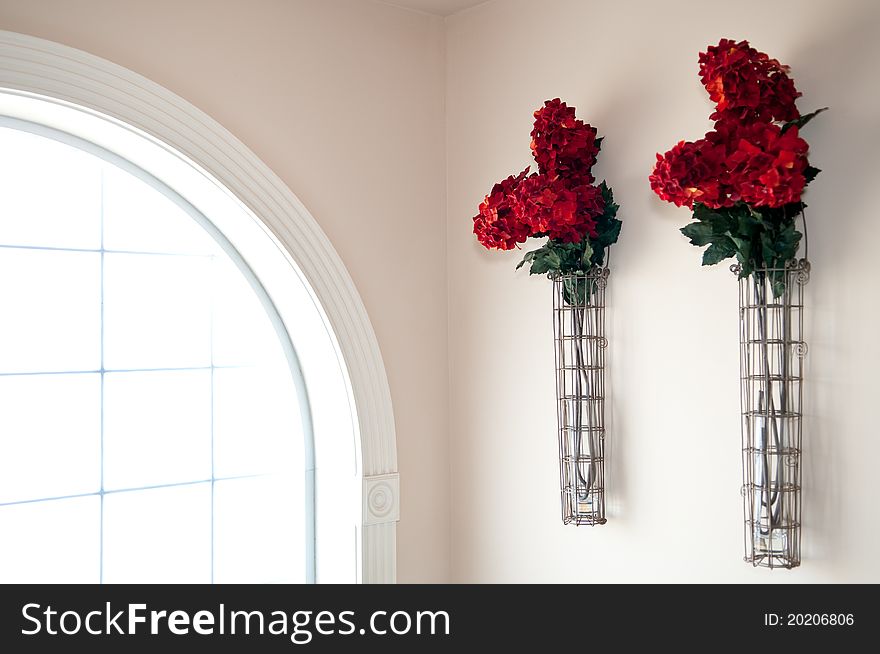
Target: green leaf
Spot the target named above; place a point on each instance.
(545, 262)
(787, 242)
(745, 266)
(810, 173)
(529, 256)
(767, 250)
(778, 289)
(700, 233)
(803, 120)
(701, 211)
(721, 220)
(598, 142)
(610, 234)
(576, 291)
(539, 266)
(777, 281)
(746, 224)
(548, 262)
(756, 214)
(586, 257)
(608, 198)
(742, 245)
(720, 249)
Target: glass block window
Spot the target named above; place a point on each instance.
(150, 427)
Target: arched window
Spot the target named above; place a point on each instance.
(227, 224)
(149, 405)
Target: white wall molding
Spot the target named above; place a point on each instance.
(381, 499)
(381, 540)
(56, 71)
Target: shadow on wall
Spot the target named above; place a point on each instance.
(607, 168)
(614, 117)
(840, 142)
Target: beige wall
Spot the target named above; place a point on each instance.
(675, 510)
(344, 100)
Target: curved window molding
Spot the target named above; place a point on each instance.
(126, 114)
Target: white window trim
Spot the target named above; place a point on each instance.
(29, 65)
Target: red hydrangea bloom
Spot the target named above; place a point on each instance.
(756, 163)
(693, 172)
(497, 226)
(747, 157)
(590, 205)
(560, 201)
(562, 144)
(559, 208)
(767, 166)
(747, 84)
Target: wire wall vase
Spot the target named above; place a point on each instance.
(579, 333)
(772, 352)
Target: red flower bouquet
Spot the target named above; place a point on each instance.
(745, 178)
(561, 201)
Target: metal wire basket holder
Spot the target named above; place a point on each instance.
(579, 334)
(772, 353)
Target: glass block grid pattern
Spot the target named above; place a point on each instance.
(149, 423)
